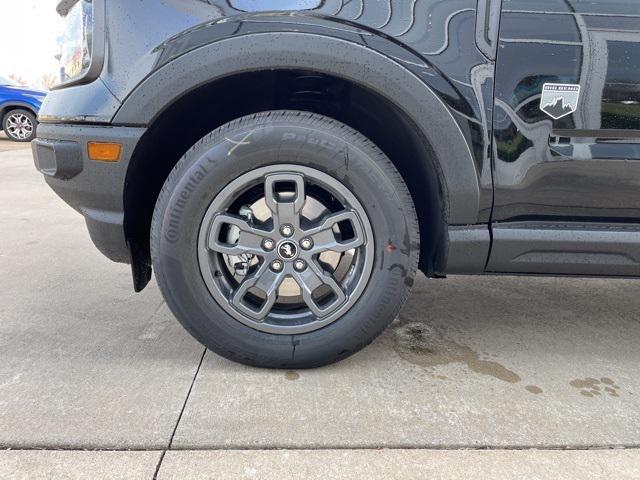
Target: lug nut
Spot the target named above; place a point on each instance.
(268, 244)
(286, 230)
(277, 266)
(300, 265)
(306, 244)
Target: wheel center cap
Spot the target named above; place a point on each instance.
(288, 250)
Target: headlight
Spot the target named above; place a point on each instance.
(76, 43)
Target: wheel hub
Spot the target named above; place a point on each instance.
(288, 250)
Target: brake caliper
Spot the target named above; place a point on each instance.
(240, 263)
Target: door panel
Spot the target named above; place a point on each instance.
(586, 165)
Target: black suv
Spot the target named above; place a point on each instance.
(286, 166)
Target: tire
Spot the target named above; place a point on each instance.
(366, 208)
(20, 125)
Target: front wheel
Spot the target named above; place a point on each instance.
(285, 239)
(20, 125)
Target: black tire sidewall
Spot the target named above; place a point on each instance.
(314, 142)
(31, 116)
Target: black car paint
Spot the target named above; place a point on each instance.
(566, 190)
(565, 174)
(390, 28)
(585, 165)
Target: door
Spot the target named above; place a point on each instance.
(567, 137)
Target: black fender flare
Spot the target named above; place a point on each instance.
(324, 54)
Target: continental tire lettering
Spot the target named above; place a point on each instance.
(172, 233)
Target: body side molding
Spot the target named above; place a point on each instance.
(566, 248)
(468, 249)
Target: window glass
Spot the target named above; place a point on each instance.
(621, 96)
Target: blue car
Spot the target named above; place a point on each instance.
(18, 110)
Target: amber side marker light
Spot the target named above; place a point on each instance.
(104, 152)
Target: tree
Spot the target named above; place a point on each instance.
(48, 80)
(18, 79)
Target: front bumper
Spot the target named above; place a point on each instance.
(95, 189)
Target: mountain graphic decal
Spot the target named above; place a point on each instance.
(559, 100)
(558, 109)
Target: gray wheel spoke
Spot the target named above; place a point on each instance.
(265, 280)
(313, 278)
(286, 211)
(324, 237)
(294, 257)
(249, 240)
(19, 126)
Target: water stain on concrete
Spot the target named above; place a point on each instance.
(533, 389)
(291, 375)
(611, 392)
(593, 387)
(421, 345)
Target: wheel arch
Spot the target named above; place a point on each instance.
(13, 105)
(445, 157)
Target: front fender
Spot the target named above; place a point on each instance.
(177, 74)
(11, 104)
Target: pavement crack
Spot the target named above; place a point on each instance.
(364, 447)
(184, 406)
(186, 400)
(157, 470)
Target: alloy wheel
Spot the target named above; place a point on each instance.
(19, 126)
(286, 249)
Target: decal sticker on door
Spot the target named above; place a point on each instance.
(559, 99)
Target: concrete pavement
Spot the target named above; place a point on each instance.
(7, 145)
(401, 464)
(43, 464)
(324, 464)
(84, 363)
(489, 362)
